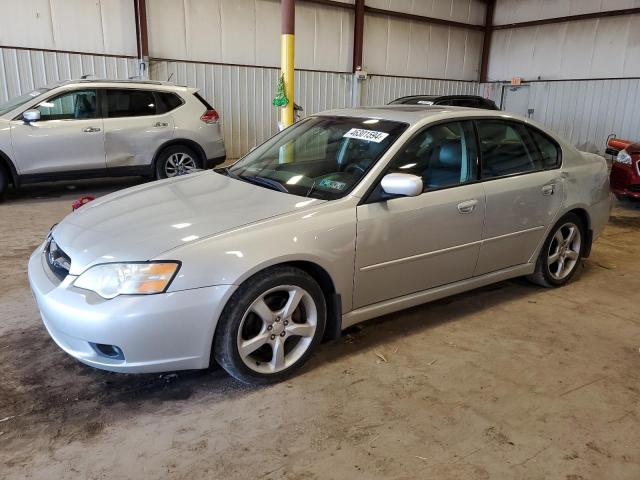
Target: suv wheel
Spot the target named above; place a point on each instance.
(270, 326)
(561, 253)
(175, 161)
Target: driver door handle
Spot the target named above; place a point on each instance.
(467, 207)
(548, 189)
(90, 129)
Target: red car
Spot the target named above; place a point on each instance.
(625, 171)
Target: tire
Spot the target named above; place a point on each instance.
(561, 253)
(272, 330)
(176, 160)
(4, 182)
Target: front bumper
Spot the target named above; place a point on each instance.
(156, 333)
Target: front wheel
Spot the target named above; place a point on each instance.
(561, 253)
(175, 161)
(270, 326)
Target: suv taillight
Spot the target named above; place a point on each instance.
(210, 116)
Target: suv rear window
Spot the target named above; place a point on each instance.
(167, 101)
(130, 103)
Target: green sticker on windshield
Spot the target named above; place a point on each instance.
(332, 184)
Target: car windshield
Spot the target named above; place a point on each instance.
(320, 157)
(15, 102)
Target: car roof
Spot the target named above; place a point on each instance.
(105, 82)
(440, 97)
(413, 114)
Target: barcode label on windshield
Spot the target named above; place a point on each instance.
(366, 135)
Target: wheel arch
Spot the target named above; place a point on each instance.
(584, 216)
(193, 145)
(7, 164)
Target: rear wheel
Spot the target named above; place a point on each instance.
(561, 253)
(270, 326)
(175, 161)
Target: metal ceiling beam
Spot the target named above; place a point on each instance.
(570, 18)
(423, 19)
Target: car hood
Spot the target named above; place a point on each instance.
(142, 222)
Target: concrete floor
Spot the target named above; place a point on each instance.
(510, 381)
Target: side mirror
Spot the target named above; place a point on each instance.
(402, 184)
(32, 115)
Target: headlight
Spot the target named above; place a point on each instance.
(623, 157)
(112, 279)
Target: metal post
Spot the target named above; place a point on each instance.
(287, 51)
(142, 38)
(486, 44)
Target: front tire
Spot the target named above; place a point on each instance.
(270, 326)
(4, 182)
(176, 160)
(561, 253)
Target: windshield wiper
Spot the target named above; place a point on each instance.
(264, 182)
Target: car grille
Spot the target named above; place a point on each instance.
(58, 261)
(634, 188)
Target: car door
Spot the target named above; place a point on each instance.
(524, 192)
(409, 244)
(68, 137)
(135, 127)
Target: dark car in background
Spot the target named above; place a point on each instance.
(470, 101)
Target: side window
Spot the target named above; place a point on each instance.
(130, 103)
(548, 149)
(506, 149)
(167, 102)
(443, 155)
(76, 105)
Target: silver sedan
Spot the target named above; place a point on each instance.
(345, 216)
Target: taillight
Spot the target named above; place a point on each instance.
(210, 116)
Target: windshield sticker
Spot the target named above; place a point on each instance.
(366, 135)
(424, 102)
(332, 184)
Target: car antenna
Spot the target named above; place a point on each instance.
(134, 76)
(170, 77)
(84, 77)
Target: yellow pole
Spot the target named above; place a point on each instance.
(287, 55)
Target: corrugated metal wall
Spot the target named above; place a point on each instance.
(23, 70)
(584, 112)
(600, 48)
(380, 90)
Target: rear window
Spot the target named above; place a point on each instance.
(167, 101)
(130, 103)
(548, 149)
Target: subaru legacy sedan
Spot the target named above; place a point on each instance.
(99, 128)
(345, 216)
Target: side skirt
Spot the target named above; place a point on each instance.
(425, 296)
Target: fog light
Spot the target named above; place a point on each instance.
(109, 351)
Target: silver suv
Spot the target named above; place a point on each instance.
(98, 128)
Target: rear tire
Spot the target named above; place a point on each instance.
(176, 160)
(270, 326)
(561, 253)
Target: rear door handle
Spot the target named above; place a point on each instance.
(467, 207)
(161, 124)
(548, 189)
(90, 129)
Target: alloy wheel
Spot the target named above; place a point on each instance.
(564, 251)
(179, 163)
(277, 329)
